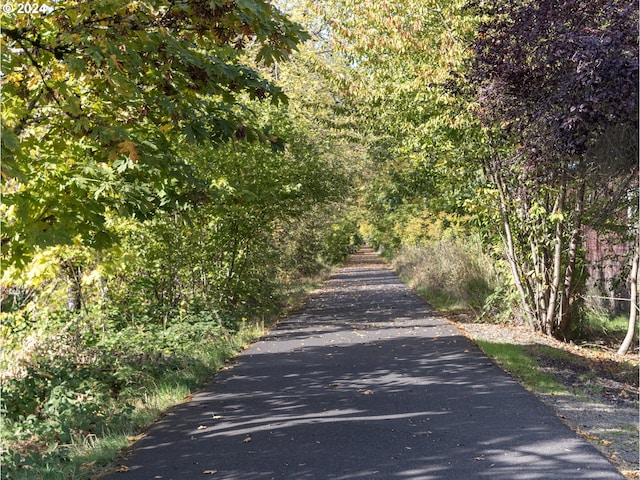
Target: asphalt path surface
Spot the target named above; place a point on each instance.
(364, 381)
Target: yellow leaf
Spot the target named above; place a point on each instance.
(33, 83)
(129, 148)
(587, 435)
(135, 438)
(15, 78)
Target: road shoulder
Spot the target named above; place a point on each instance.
(598, 405)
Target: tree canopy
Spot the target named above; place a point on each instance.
(556, 80)
(173, 168)
(101, 100)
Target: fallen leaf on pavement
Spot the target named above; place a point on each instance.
(367, 392)
(246, 440)
(210, 472)
(122, 469)
(587, 435)
(202, 427)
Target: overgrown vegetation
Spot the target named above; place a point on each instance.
(457, 275)
(78, 385)
(504, 117)
(81, 391)
(453, 274)
(162, 198)
(171, 169)
(601, 328)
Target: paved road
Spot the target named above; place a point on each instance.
(365, 381)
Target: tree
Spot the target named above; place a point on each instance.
(555, 79)
(419, 136)
(633, 311)
(101, 97)
(183, 207)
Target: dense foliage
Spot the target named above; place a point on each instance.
(102, 100)
(161, 195)
(557, 91)
(514, 120)
(172, 169)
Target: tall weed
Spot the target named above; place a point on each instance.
(452, 273)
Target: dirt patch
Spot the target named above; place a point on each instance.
(601, 403)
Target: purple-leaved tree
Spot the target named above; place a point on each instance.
(557, 93)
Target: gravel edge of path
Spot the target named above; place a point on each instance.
(612, 428)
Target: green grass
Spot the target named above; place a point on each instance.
(515, 360)
(600, 326)
(441, 299)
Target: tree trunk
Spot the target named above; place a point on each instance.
(507, 237)
(72, 275)
(551, 315)
(510, 247)
(564, 328)
(540, 301)
(633, 311)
